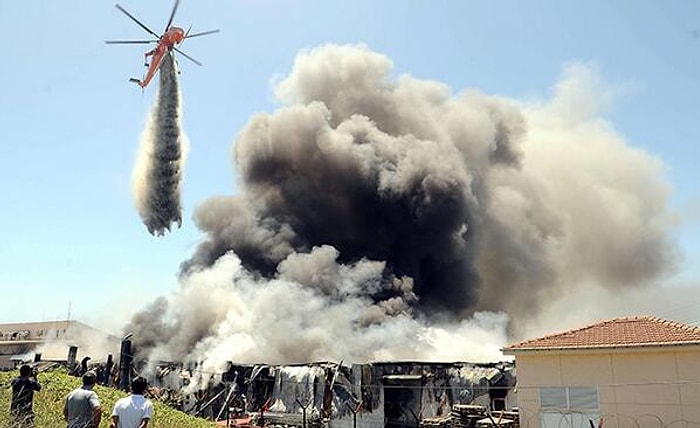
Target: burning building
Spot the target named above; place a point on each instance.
(377, 394)
(390, 219)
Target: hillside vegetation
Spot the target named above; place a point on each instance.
(56, 384)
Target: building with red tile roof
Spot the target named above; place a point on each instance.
(631, 372)
(627, 332)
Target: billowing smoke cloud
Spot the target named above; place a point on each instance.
(387, 218)
(158, 169)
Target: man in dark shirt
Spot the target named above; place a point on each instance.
(23, 388)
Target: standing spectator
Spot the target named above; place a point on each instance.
(135, 410)
(82, 408)
(23, 388)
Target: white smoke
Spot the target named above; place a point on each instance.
(282, 321)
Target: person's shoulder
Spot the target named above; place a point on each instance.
(142, 399)
(94, 399)
(149, 407)
(77, 392)
(121, 402)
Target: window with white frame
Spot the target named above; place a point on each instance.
(569, 406)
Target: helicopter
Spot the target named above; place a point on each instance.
(166, 43)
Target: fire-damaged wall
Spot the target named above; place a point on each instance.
(380, 394)
(402, 394)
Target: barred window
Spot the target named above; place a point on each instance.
(569, 397)
(569, 406)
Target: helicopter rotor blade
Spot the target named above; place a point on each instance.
(130, 42)
(203, 33)
(172, 15)
(187, 56)
(141, 24)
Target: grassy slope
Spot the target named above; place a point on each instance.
(48, 403)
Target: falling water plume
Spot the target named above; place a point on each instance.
(158, 170)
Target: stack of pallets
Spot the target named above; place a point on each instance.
(439, 422)
(272, 419)
(467, 415)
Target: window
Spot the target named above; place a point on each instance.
(569, 406)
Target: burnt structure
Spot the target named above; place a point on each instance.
(378, 394)
(125, 362)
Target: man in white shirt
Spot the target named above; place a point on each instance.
(135, 410)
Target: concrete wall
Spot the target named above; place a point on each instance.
(637, 388)
(34, 330)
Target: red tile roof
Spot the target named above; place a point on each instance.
(628, 332)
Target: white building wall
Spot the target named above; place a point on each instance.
(637, 388)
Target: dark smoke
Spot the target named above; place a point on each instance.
(400, 199)
(158, 172)
(388, 218)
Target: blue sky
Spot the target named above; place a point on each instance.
(71, 122)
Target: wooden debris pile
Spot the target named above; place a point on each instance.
(473, 416)
(273, 419)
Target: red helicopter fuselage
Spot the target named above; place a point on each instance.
(174, 36)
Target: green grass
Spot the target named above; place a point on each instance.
(56, 384)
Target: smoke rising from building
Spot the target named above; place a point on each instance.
(158, 169)
(383, 218)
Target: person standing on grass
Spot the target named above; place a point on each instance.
(82, 408)
(23, 387)
(135, 410)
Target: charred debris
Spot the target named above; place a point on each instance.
(330, 394)
(321, 394)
